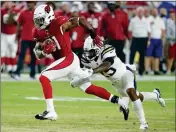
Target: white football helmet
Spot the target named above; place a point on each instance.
(91, 51)
(43, 15)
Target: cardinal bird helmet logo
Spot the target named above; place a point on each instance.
(47, 8)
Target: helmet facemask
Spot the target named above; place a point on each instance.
(39, 22)
(91, 51)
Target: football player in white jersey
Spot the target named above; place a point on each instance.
(121, 75)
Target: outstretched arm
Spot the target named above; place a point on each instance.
(105, 65)
(81, 21)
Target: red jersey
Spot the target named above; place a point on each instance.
(26, 21)
(78, 35)
(61, 39)
(94, 19)
(7, 28)
(115, 25)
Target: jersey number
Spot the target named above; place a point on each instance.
(57, 43)
(74, 35)
(110, 72)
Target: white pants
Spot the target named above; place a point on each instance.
(8, 45)
(56, 71)
(127, 81)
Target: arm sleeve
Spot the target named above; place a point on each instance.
(130, 28)
(148, 27)
(169, 34)
(109, 59)
(126, 24)
(102, 31)
(20, 18)
(108, 52)
(168, 31)
(162, 25)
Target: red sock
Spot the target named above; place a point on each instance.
(13, 61)
(98, 91)
(2, 60)
(7, 61)
(47, 88)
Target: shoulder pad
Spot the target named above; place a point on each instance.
(107, 52)
(61, 20)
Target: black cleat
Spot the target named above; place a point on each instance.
(46, 115)
(125, 112)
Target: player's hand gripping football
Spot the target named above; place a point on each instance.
(49, 47)
(98, 41)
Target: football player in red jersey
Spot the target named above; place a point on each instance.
(8, 44)
(93, 17)
(52, 37)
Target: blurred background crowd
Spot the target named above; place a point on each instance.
(143, 33)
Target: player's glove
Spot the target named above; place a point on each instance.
(77, 81)
(98, 41)
(49, 47)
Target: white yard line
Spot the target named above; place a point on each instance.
(96, 77)
(79, 99)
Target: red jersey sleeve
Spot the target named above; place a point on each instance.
(20, 18)
(39, 35)
(126, 24)
(2, 13)
(61, 20)
(102, 31)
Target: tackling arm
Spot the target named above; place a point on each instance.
(105, 65)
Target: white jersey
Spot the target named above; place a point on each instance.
(115, 71)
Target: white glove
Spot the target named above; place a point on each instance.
(75, 82)
(79, 80)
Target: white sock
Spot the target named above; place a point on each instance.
(121, 102)
(49, 105)
(14, 67)
(149, 95)
(9, 68)
(138, 108)
(126, 101)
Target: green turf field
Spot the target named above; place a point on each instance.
(81, 116)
